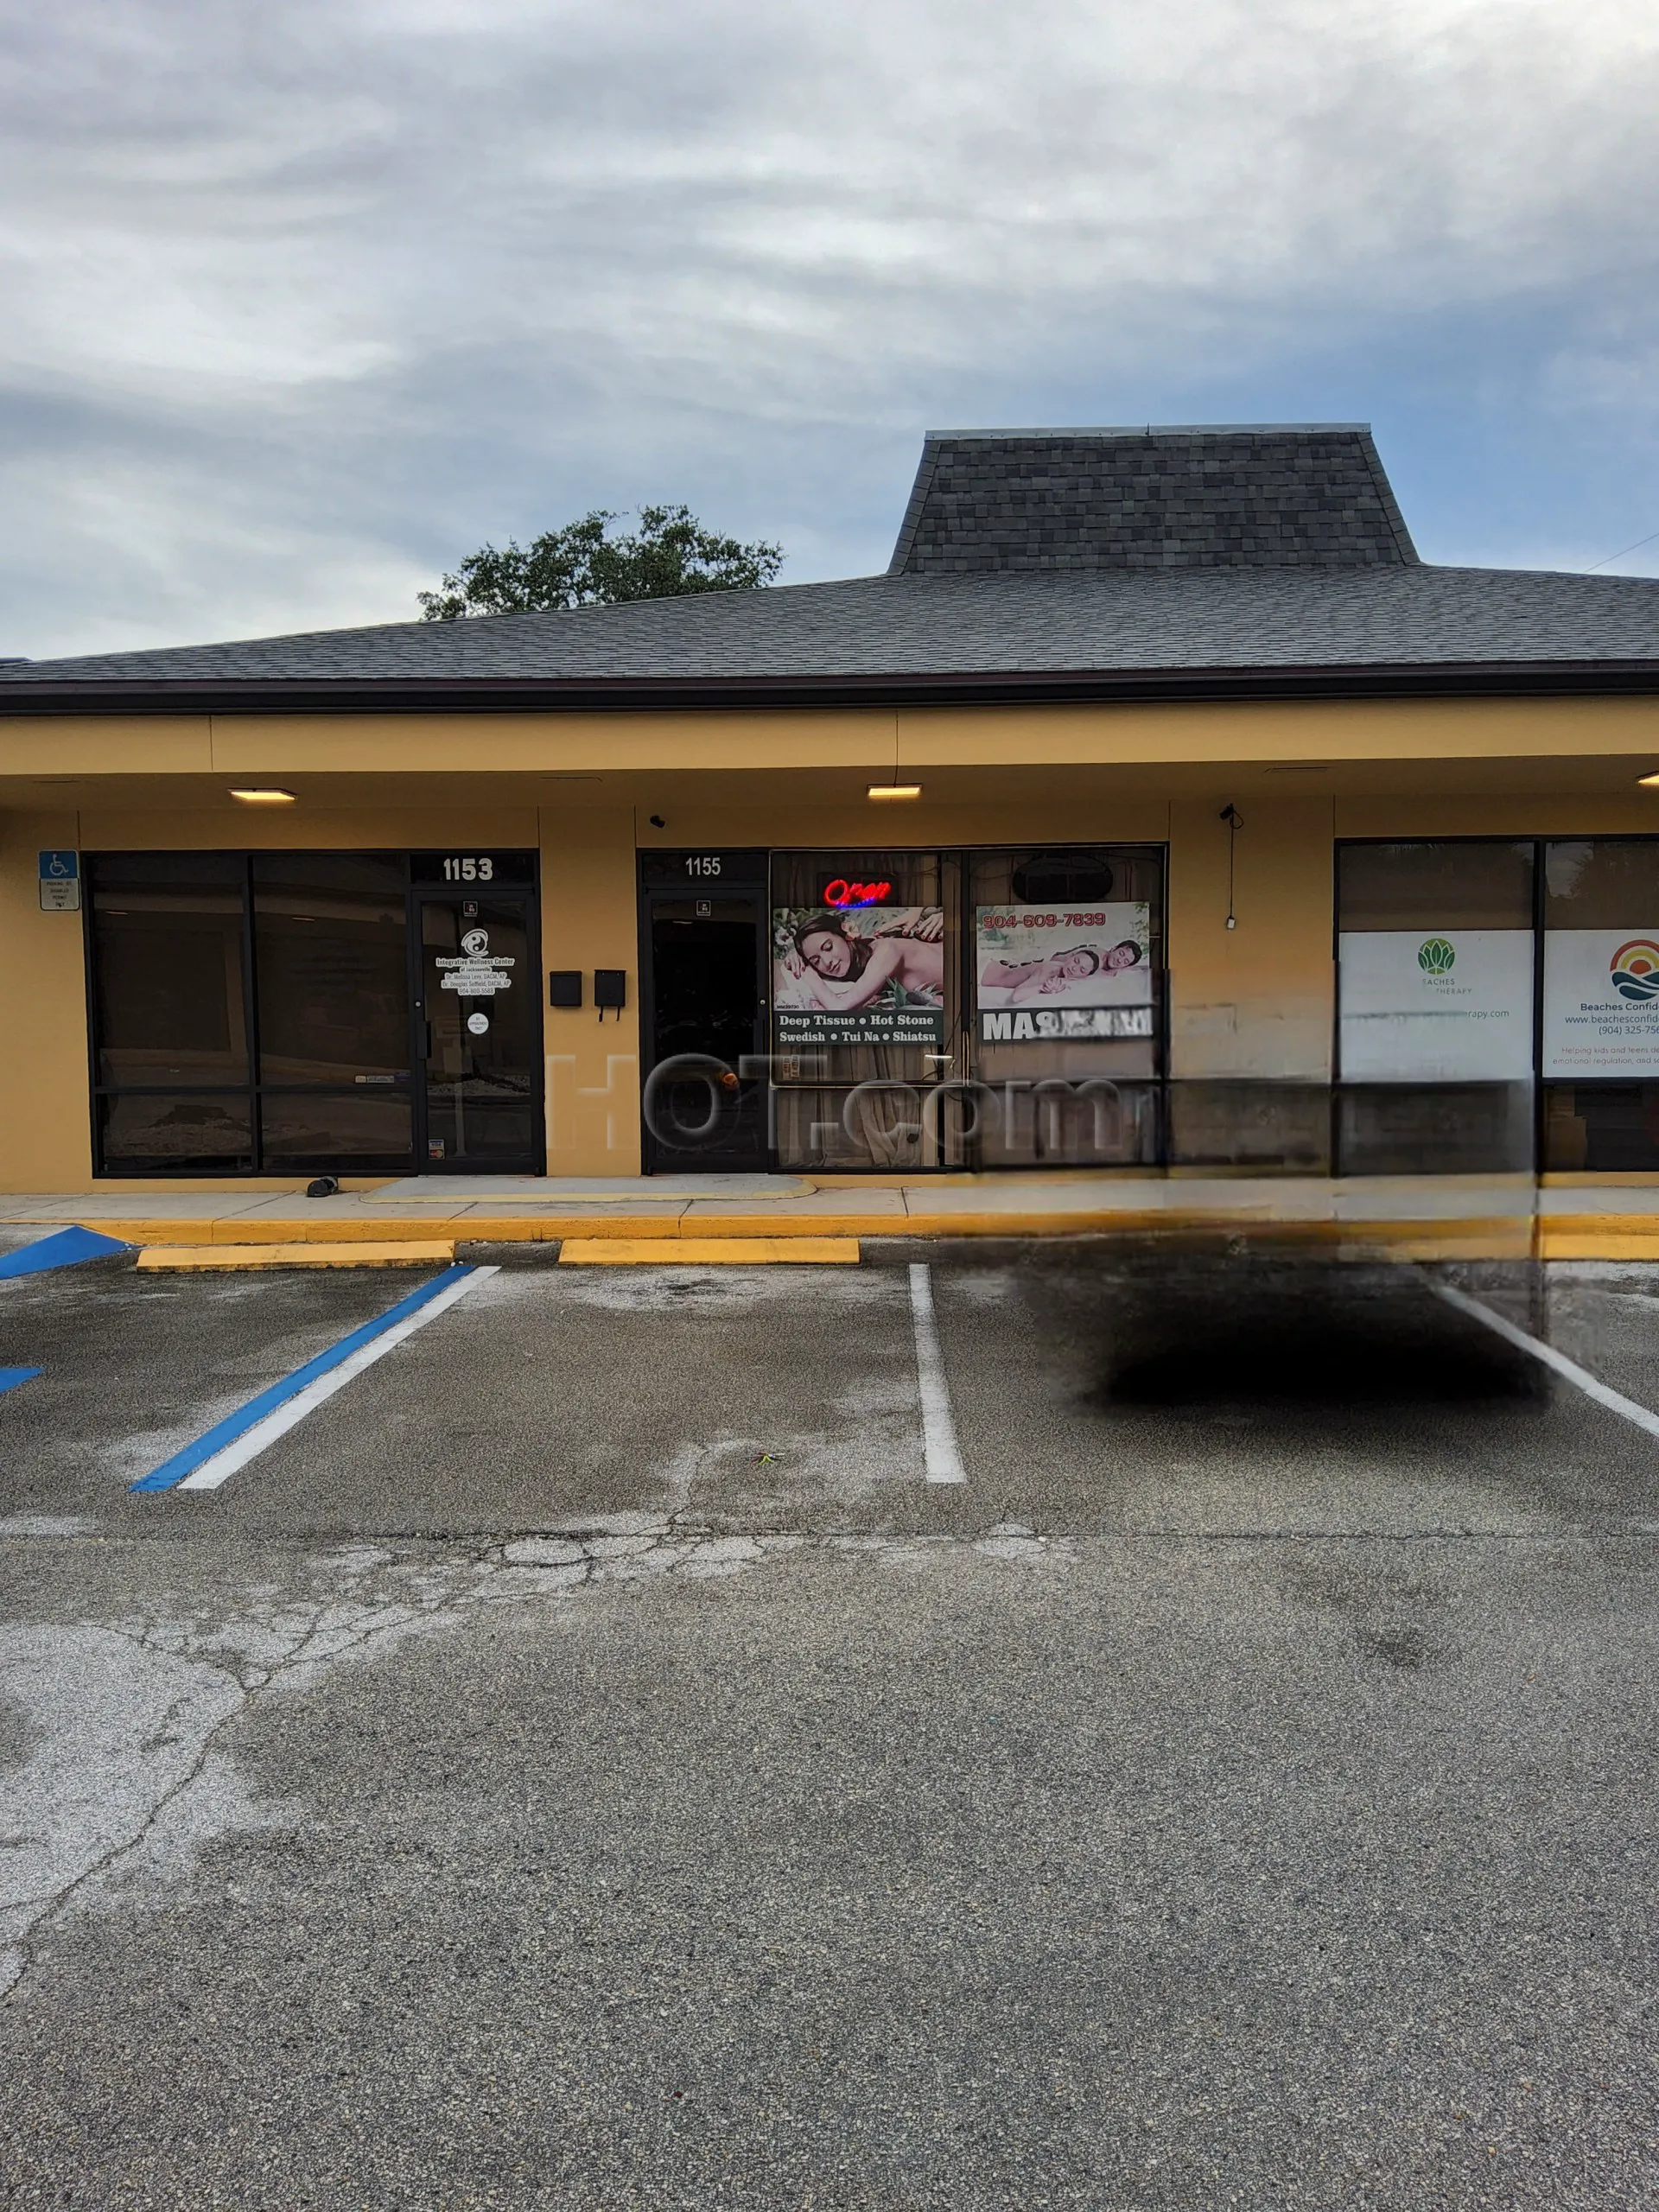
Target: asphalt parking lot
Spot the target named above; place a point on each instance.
(585, 1761)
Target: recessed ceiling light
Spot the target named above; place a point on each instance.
(264, 798)
(894, 791)
(1654, 779)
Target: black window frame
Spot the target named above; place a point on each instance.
(521, 879)
(654, 870)
(1543, 1086)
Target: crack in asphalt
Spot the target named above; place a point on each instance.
(127, 1770)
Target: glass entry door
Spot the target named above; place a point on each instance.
(703, 924)
(478, 1015)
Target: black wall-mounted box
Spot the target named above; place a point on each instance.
(564, 986)
(610, 988)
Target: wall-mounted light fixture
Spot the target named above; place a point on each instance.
(1650, 780)
(893, 790)
(264, 796)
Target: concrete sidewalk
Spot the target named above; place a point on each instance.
(1445, 1217)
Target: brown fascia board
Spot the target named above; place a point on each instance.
(634, 694)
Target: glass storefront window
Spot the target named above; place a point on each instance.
(356, 1130)
(998, 1009)
(866, 1008)
(161, 1133)
(1435, 883)
(269, 1010)
(1066, 961)
(862, 981)
(331, 959)
(169, 992)
(1435, 949)
(1601, 1004)
(1435, 985)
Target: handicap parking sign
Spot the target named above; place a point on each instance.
(60, 883)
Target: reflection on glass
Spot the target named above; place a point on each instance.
(330, 958)
(1436, 950)
(140, 1133)
(483, 1047)
(1065, 1121)
(1601, 1127)
(1066, 952)
(168, 938)
(1602, 883)
(1438, 883)
(879, 1124)
(1443, 1129)
(301, 1129)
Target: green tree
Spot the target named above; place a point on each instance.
(584, 564)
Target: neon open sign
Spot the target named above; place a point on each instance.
(843, 894)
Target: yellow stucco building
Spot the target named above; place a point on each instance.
(1159, 811)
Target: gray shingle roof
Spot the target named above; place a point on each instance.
(924, 626)
(1271, 495)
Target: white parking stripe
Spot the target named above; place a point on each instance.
(941, 1457)
(1569, 1370)
(223, 1464)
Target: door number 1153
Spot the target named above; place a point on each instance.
(469, 870)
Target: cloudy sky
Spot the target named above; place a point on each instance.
(304, 301)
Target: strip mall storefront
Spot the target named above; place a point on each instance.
(292, 1012)
(1158, 810)
(1492, 1004)
(1494, 1008)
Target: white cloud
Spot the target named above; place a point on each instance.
(301, 304)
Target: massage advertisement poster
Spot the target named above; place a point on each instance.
(1436, 1006)
(1601, 1002)
(858, 974)
(1048, 973)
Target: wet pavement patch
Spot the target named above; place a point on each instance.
(1250, 1335)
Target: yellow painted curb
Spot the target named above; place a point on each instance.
(1614, 1240)
(708, 1251)
(1587, 1236)
(203, 1236)
(179, 1259)
(770, 1227)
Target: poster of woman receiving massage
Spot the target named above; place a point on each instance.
(867, 976)
(1048, 972)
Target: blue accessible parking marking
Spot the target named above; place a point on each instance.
(241, 1436)
(65, 1249)
(12, 1377)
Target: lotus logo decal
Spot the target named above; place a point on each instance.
(1435, 957)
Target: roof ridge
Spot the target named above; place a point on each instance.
(1153, 496)
(1155, 430)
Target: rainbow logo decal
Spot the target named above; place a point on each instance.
(1634, 970)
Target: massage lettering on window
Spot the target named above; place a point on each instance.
(1067, 971)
